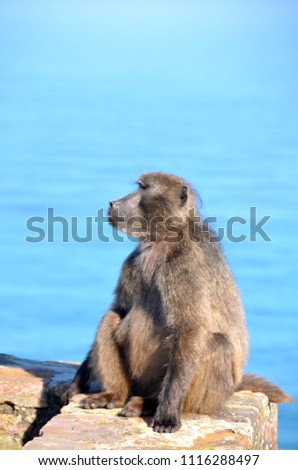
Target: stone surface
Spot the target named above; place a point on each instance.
(27, 397)
(247, 422)
(29, 407)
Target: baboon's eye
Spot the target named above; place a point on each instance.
(143, 185)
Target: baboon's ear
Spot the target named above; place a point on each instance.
(183, 195)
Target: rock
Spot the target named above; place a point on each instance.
(247, 422)
(28, 397)
(29, 407)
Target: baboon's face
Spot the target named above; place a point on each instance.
(159, 197)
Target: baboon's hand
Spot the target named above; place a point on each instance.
(165, 422)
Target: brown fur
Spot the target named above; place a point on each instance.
(259, 384)
(175, 337)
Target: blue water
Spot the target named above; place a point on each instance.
(92, 94)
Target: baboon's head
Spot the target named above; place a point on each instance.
(160, 201)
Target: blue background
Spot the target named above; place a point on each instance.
(94, 93)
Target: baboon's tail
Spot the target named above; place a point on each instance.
(259, 384)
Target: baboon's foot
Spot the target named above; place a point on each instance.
(102, 400)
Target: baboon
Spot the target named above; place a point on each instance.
(175, 338)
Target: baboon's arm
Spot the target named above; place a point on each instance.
(176, 381)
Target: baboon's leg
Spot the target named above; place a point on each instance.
(213, 382)
(80, 382)
(139, 406)
(110, 367)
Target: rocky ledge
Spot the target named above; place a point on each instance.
(31, 418)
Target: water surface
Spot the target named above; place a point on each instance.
(91, 95)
